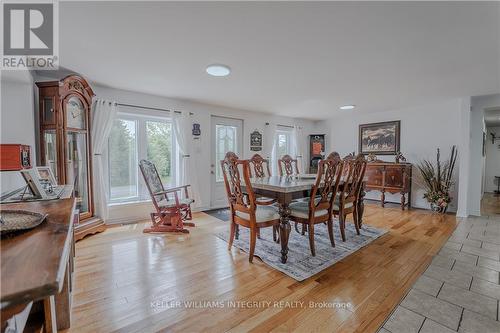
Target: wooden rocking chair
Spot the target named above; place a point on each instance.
(170, 214)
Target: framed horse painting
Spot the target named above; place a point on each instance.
(380, 138)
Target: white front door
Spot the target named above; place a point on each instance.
(227, 135)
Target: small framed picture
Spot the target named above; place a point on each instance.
(31, 178)
(46, 175)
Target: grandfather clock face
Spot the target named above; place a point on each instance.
(75, 113)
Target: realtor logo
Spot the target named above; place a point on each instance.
(29, 35)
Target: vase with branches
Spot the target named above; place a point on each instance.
(438, 179)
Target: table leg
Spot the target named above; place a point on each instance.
(285, 229)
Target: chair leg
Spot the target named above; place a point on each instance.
(330, 232)
(276, 233)
(355, 218)
(258, 233)
(253, 238)
(311, 239)
(342, 226)
(304, 229)
(231, 235)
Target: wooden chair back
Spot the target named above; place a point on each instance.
(286, 166)
(353, 178)
(153, 182)
(260, 166)
(326, 185)
(235, 171)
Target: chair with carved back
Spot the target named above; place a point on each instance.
(171, 211)
(319, 207)
(260, 167)
(244, 210)
(287, 166)
(348, 196)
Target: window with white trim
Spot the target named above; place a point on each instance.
(134, 137)
(283, 143)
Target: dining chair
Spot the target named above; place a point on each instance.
(319, 208)
(244, 210)
(261, 169)
(287, 166)
(346, 201)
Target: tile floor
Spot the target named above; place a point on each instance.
(460, 290)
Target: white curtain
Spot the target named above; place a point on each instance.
(270, 147)
(298, 150)
(103, 115)
(187, 166)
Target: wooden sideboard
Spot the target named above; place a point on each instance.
(389, 177)
(37, 265)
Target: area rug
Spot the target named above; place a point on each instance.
(301, 264)
(219, 213)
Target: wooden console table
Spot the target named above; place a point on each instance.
(37, 265)
(389, 177)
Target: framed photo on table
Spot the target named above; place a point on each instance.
(35, 186)
(46, 175)
(380, 138)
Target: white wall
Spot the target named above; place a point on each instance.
(423, 129)
(17, 120)
(202, 156)
(492, 160)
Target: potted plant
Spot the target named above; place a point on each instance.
(438, 179)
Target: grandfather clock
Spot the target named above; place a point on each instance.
(65, 143)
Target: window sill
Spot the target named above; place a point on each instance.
(129, 203)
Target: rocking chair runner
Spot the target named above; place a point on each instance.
(170, 214)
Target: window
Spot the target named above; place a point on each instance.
(283, 143)
(123, 160)
(159, 148)
(136, 137)
(226, 140)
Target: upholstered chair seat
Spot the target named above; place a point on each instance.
(301, 209)
(262, 214)
(171, 203)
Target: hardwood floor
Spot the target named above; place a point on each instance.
(490, 204)
(120, 273)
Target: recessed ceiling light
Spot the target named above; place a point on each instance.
(218, 70)
(347, 107)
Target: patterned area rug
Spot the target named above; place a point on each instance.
(219, 213)
(301, 264)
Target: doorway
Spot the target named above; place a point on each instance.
(490, 202)
(227, 135)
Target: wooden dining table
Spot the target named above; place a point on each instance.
(285, 189)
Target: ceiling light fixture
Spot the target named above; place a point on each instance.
(218, 70)
(347, 107)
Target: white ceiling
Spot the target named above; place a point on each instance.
(296, 59)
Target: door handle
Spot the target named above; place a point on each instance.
(212, 165)
(212, 172)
